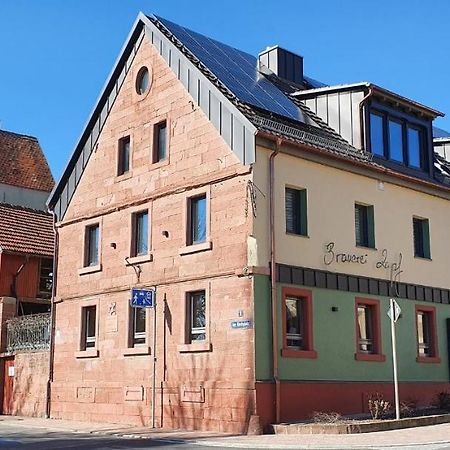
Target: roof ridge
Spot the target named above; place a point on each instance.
(24, 208)
(26, 136)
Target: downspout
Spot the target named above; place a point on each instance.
(52, 321)
(361, 118)
(273, 287)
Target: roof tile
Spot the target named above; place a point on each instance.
(26, 231)
(22, 162)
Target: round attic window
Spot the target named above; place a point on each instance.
(142, 81)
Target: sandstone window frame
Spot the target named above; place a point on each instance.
(87, 268)
(429, 314)
(120, 173)
(155, 162)
(372, 309)
(83, 350)
(131, 347)
(139, 74)
(188, 345)
(157, 157)
(305, 297)
(148, 257)
(206, 244)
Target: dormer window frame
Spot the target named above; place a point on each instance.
(409, 122)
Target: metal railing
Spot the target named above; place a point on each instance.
(28, 333)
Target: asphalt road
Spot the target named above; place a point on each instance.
(38, 439)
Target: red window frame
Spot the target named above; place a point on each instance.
(434, 351)
(308, 350)
(377, 354)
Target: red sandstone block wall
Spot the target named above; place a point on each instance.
(211, 389)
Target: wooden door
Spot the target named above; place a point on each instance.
(8, 385)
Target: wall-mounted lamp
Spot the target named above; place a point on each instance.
(165, 233)
(113, 245)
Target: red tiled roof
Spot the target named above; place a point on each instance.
(26, 231)
(22, 162)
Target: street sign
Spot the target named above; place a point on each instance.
(241, 324)
(394, 311)
(142, 298)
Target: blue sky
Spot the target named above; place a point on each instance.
(56, 54)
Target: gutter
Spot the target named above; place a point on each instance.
(371, 167)
(273, 287)
(52, 321)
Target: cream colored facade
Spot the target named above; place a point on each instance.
(331, 195)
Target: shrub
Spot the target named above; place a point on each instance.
(378, 406)
(442, 401)
(323, 417)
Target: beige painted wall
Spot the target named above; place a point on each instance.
(331, 194)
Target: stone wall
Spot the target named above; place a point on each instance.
(209, 385)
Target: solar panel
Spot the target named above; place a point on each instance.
(440, 133)
(237, 70)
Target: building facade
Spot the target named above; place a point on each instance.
(274, 217)
(26, 268)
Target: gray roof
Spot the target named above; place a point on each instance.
(439, 133)
(224, 82)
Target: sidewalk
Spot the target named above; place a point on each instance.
(424, 438)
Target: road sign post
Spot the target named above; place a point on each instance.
(146, 298)
(394, 314)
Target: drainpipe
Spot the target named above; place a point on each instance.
(273, 287)
(361, 117)
(52, 321)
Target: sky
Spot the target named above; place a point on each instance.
(57, 54)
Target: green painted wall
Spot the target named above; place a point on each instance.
(335, 337)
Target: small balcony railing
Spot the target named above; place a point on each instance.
(28, 333)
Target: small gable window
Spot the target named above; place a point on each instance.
(143, 81)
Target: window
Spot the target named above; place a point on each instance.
(160, 142)
(91, 257)
(368, 330)
(138, 316)
(123, 160)
(45, 277)
(142, 81)
(395, 140)
(296, 211)
(140, 233)
(427, 350)
(364, 226)
(398, 139)
(376, 134)
(414, 146)
(297, 323)
(421, 237)
(197, 220)
(196, 316)
(89, 325)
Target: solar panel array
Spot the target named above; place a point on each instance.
(237, 70)
(440, 133)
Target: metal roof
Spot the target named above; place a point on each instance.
(367, 85)
(440, 134)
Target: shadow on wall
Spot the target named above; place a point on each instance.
(214, 405)
(30, 383)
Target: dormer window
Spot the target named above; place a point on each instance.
(398, 138)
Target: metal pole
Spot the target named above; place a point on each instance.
(154, 365)
(394, 362)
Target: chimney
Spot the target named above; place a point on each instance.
(283, 63)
